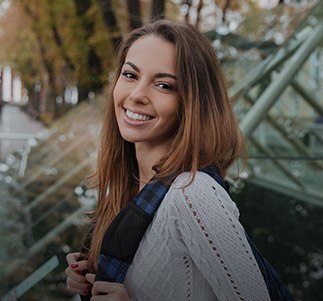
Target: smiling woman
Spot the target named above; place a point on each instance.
(146, 94)
(146, 100)
(168, 229)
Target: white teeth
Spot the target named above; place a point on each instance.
(136, 116)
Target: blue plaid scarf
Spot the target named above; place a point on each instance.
(123, 236)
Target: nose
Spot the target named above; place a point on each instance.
(139, 94)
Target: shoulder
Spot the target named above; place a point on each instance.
(201, 181)
(203, 193)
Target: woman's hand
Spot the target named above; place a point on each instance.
(76, 281)
(107, 291)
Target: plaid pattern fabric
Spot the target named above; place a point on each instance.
(114, 270)
(150, 197)
(111, 269)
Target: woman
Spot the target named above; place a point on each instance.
(169, 132)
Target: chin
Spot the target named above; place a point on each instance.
(131, 138)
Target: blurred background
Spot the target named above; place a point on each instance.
(55, 59)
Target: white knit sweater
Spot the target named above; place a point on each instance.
(195, 249)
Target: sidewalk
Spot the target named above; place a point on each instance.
(14, 121)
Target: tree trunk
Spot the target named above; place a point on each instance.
(157, 10)
(59, 43)
(33, 101)
(47, 63)
(93, 61)
(199, 7)
(224, 11)
(111, 22)
(134, 14)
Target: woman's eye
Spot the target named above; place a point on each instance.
(165, 87)
(128, 75)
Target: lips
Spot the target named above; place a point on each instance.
(137, 117)
(138, 112)
(135, 123)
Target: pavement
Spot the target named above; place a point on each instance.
(14, 121)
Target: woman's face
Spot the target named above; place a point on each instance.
(145, 96)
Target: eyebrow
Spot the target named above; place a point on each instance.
(157, 75)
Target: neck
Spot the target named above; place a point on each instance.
(148, 156)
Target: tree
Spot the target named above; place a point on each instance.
(111, 22)
(54, 44)
(134, 14)
(157, 9)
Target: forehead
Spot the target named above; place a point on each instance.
(153, 52)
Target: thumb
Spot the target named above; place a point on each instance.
(90, 277)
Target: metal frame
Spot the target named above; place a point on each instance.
(290, 63)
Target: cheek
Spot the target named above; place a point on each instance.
(169, 112)
(117, 93)
(116, 96)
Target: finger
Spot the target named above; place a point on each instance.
(75, 275)
(79, 265)
(72, 257)
(77, 290)
(105, 287)
(75, 284)
(90, 277)
(104, 298)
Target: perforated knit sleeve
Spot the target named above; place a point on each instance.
(208, 225)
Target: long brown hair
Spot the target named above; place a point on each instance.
(208, 131)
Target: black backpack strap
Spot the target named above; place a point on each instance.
(277, 290)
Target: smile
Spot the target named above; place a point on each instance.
(137, 117)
